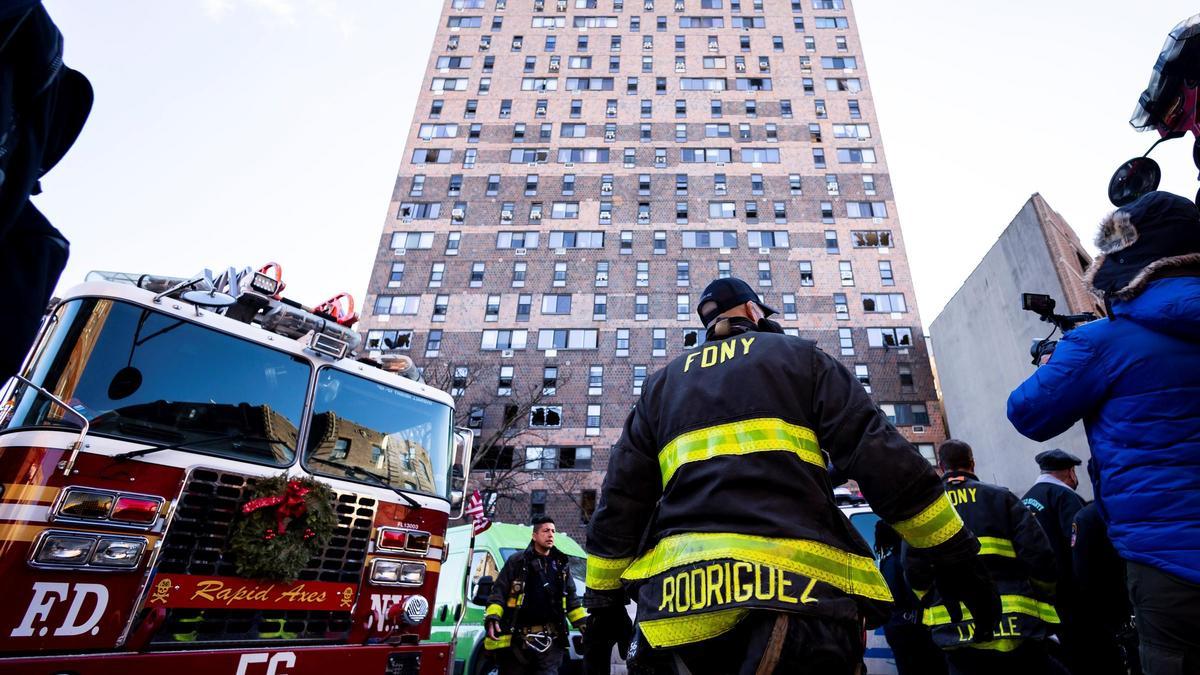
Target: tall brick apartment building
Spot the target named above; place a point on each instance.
(578, 170)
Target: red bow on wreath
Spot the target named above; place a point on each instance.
(291, 505)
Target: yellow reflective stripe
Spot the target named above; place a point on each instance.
(680, 630)
(494, 610)
(1005, 645)
(996, 546)
(920, 592)
(1009, 604)
(739, 438)
(576, 615)
(499, 643)
(850, 573)
(933, 525)
(604, 574)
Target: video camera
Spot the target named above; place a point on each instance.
(1043, 306)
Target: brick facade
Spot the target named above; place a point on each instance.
(809, 209)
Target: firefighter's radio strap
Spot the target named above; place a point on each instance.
(538, 638)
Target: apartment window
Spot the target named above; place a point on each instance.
(599, 307)
(906, 414)
(622, 342)
(389, 339)
(593, 420)
(780, 211)
(641, 307)
(595, 380)
(724, 269)
(433, 343)
(767, 239)
(806, 273)
(639, 379)
(386, 305)
(568, 187)
(432, 156)
(441, 305)
(863, 376)
(643, 211)
(885, 273)
(556, 303)
(709, 239)
(846, 272)
(682, 273)
(756, 183)
(658, 342)
(460, 380)
(567, 338)
(841, 307)
(855, 112)
(437, 273)
(531, 185)
(722, 209)
(856, 155)
(560, 274)
(764, 273)
(818, 158)
(789, 305)
(866, 209)
(491, 310)
(660, 242)
(868, 182)
(418, 186)
(680, 133)
(846, 341)
(518, 275)
(477, 274)
(601, 273)
(683, 307)
(821, 111)
(493, 340)
(576, 108)
(545, 417)
(831, 240)
(904, 371)
(751, 211)
(883, 302)
(549, 380)
(889, 337)
(794, 184)
(435, 108)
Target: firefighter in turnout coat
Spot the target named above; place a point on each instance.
(1017, 555)
(531, 602)
(717, 513)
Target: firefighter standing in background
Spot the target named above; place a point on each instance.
(1018, 557)
(718, 516)
(1054, 502)
(531, 602)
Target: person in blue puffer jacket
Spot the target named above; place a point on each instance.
(1134, 380)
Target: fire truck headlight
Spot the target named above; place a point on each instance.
(59, 548)
(86, 504)
(416, 608)
(122, 552)
(397, 573)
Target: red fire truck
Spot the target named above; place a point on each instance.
(130, 447)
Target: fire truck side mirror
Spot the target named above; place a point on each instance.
(483, 588)
(460, 470)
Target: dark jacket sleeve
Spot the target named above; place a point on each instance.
(897, 481)
(1059, 393)
(1031, 545)
(574, 605)
(1068, 505)
(631, 490)
(498, 598)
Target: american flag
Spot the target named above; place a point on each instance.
(475, 511)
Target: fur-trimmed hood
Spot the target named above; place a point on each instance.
(1148, 239)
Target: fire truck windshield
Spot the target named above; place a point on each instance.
(140, 375)
(368, 432)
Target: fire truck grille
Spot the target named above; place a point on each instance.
(197, 543)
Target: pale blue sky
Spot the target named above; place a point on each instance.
(233, 132)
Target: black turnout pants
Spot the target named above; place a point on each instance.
(805, 646)
(1167, 611)
(521, 660)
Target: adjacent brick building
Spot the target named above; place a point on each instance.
(578, 170)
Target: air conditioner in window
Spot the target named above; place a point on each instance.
(605, 188)
(541, 110)
(605, 217)
(458, 213)
(740, 67)
(505, 113)
(643, 217)
(713, 46)
(601, 278)
(561, 6)
(764, 250)
(539, 5)
(833, 190)
(877, 220)
(680, 67)
(918, 429)
(484, 46)
(506, 354)
(400, 251)
(610, 135)
(649, 6)
(536, 215)
(679, 6)
(506, 216)
(553, 67)
(452, 46)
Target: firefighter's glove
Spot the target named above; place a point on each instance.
(608, 626)
(968, 582)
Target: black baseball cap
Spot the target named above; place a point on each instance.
(725, 294)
